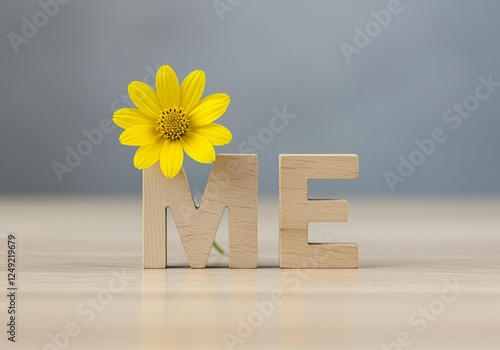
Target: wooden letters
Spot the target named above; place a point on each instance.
(296, 211)
(233, 184)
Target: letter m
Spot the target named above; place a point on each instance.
(232, 184)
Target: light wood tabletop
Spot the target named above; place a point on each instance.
(428, 278)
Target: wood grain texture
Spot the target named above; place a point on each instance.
(232, 184)
(69, 248)
(297, 210)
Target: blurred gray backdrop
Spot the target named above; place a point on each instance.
(356, 81)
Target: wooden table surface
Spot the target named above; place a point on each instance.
(429, 278)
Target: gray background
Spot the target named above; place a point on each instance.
(265, 55)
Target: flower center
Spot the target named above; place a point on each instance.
(172, 123)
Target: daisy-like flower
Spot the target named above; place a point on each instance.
(173, 120)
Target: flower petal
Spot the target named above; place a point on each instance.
(191, 90)
(140, 135)
(198, 147)
(209, 109)
(127, 117)
(148, 155)
(218, 135)
(167, 87)
(171, 158)
(145, 98)
(218, 96)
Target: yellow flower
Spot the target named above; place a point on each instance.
(173, 120)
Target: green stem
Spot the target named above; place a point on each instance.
(219, 249)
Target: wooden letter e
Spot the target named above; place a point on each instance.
(297, 210)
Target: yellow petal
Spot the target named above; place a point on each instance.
(209, 109)
(218, 96)
(218, 135)
(198, 147)
(127, 117)
(148, 155)
(191, 90)
(145, 98)
(167, 87)
(139, 135)
(171, 158)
